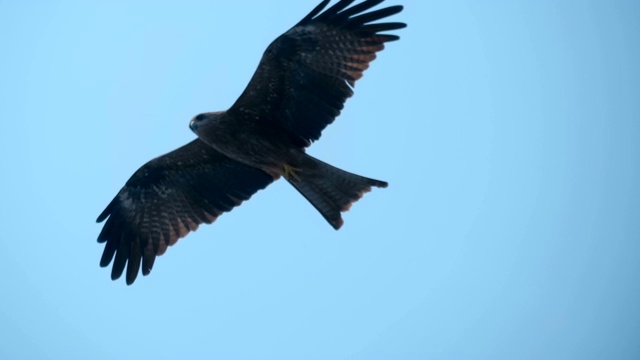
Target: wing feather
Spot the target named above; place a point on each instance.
(315, 11)
(306, 74)
(360, 20)
(166, 199)
(335, 9)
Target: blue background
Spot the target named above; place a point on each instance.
(508, 131)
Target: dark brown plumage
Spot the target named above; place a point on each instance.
(168, 197)
(300, 87)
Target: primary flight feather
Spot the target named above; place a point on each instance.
(301, 84)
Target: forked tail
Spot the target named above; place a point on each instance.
(329, 189)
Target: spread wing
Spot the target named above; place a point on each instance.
(167, 198)
(306, 74)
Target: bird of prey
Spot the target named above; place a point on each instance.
(300, 86)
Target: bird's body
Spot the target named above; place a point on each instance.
(262, 146)
(300, 87)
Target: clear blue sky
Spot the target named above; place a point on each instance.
(509, 132)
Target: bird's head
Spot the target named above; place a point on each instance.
(201, 120)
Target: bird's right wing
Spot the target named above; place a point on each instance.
(167, 198)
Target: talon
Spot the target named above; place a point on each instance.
(291, 172)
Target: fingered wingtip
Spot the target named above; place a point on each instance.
(337, 223)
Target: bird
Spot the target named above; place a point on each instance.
(300, 86)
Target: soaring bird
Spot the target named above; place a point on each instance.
(300, 86)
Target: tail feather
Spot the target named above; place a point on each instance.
(329, 189)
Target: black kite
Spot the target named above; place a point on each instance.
(301, 84)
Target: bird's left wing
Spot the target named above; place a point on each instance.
(167, 198)
(307, 73)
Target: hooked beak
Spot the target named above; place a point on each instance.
(193, 126)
